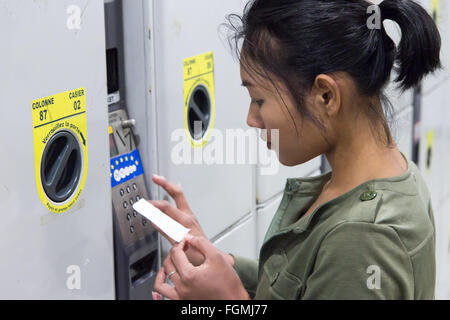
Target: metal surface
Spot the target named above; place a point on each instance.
(220, 195)
(241, 239)
(39, 249)
(136, 244)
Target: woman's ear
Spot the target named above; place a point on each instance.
(327, 94)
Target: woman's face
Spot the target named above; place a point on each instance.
(268, 111)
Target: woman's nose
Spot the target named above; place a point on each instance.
(254, 121)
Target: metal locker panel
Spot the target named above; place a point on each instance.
(446, 155)
(442, 250)
(219, 195)
(431, 82)
(241, 240)
(398, 100)
(403, 131)
(445, 144)
(433, 145)
(264, 218)
(40, 249)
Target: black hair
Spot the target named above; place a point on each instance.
(296, 40)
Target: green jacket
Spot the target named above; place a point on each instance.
(376, 241)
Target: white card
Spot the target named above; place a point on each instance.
(165, 223)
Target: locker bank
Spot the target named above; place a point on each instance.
(95, 96)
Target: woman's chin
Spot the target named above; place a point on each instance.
(286, 161)
(290, 162)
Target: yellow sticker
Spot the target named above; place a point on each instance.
(435, 6)
(199, 98)
(60, 148)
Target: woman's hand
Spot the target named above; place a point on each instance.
(214, 279)
(183, 215)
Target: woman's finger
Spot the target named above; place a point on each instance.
(203, 245)
(163, 288)
(173, 212)
(181, 261)
(170, 268)
(176, 192)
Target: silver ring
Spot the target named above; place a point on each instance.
(170, 274)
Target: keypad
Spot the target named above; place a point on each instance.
(133, 224)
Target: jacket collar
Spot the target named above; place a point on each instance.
(309, 189)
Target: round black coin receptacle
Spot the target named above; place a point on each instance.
(61, 166)
(199, 111)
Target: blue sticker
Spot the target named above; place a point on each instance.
(125, 168)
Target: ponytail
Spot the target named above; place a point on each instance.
(419, 50)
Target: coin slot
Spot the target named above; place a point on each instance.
(199, 110)
(143, 269)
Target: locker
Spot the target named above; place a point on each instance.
(240, 240)
(433, 147)
(264, 218)
(443, 22)
(54, 52)
(219, 195)
(403, 131)
(442, 250)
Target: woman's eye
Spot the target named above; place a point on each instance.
(259, 102)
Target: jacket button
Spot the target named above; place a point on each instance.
(294, 186)
(368, 196)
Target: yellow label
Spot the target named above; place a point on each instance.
(199, 71)
(51, 115)
(435, 9)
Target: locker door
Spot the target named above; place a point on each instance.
(219, 194)
(54, 47)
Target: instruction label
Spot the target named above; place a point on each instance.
(199, 71)
(435, 9)
(61, 112)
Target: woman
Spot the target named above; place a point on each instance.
(316, 71)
